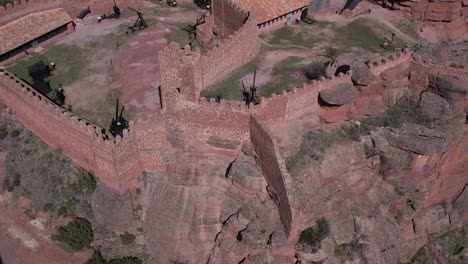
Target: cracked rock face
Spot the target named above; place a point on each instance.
(423, 140)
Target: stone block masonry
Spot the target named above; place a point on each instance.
(116, 161)
(274, 170)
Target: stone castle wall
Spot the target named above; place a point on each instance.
(274, 169)
(188, 72)
(73, 7)
(116, 161)
(228, 17)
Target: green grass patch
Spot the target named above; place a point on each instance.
(280, 77)
(291, 37)
(362, 33)
(68, 58)
(230, 88)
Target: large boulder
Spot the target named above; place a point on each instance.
(435, 106)
(340, 94)
(362, 76)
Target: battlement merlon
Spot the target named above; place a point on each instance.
(379, 66)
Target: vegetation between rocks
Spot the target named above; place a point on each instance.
(310, 239)
(77, 234)
(315, 143)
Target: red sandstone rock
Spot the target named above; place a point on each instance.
(435, 106)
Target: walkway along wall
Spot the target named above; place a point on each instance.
(116, 161)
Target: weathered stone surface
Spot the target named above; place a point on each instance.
(435, 106)
(362, 76)
(452, 88)
(222, 143)
(247, 174)
(316, 6)
(423, 140)
(340, 94)
(112, 209)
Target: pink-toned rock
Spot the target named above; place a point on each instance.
(435, 106)
(370, 105)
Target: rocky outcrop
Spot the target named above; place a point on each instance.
(423, 140)
(443, 19)
(435, 106)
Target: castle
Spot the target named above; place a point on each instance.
(118, 161)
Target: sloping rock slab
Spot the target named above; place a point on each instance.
(112, 209)
(435, 106)
(423, 140)
(340, 94)
(222, 143)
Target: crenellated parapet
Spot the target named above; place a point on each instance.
(231, 53)
(117, 161)
(185, 72)
(299, 101)
(381, 65)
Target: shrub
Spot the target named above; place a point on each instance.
(331, 53)
(3, 132)
(97, 258)
(352, 251)
(77, 234)
(311, 238)
(314, 70)
(14, 133)
(127, 238)
(457, 66)
(86, 180)
(126, 260)
(67, 208)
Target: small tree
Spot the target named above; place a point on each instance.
(97, 258)
(77, 234)
(331, 53)
(127, 238)
(315, 70)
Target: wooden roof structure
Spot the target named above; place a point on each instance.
(266, 10)
(30, 27)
